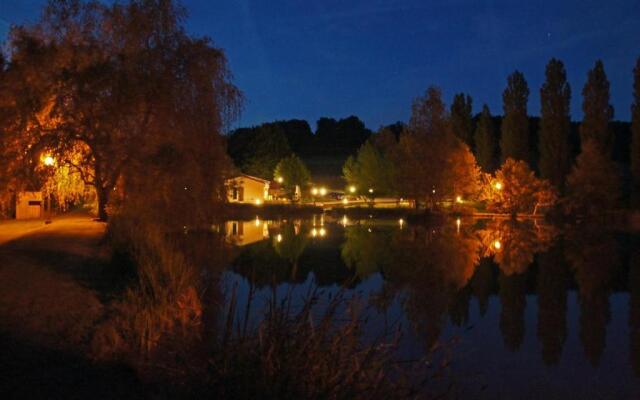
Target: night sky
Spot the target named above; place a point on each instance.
(307, 59)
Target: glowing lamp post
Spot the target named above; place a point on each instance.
(352, 189)
(498, 185)
(48, 161)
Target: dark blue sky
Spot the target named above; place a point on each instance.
(307, 59)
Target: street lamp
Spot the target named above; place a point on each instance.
(352, 189)
(280, 179)
(48, 161)
(498, 185)
(314, 191)
(323, 191)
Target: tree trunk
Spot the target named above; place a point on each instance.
(103, 199)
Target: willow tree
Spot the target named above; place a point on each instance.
(555, 124)
(146, 99)
(597, 110)
(514, 142)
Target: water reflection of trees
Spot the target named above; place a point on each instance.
(437, 271)
(594, 257)
(367, 250)
(432, 265)
(552, 284)
(514, 243)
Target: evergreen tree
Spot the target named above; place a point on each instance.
(461, 118)
(555, 124)
(514, 142)
(635, 126)
(597, 110)
(485, 141)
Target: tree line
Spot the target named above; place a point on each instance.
(549, 145)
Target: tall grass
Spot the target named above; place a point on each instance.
(317, 351)
(163, 302)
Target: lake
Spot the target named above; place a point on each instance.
(518, 309)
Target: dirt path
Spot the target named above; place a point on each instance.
(51, 298)
(45, 275)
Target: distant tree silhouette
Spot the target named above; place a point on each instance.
(514, 141)
(340, 137)
(597, 110)
(635, 127)
(461, 118)
(485, 141)
(593, 186)
(265, 149)
(555, 125)
(299, 135)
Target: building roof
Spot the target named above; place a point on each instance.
(245, 176)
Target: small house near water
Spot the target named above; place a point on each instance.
(247, 189)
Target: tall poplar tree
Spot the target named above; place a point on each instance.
(485, 140)
(514, 142)
(635, 126)
(597, 110)
(461, 118)
(555, 124)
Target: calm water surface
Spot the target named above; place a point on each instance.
(522, 309)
